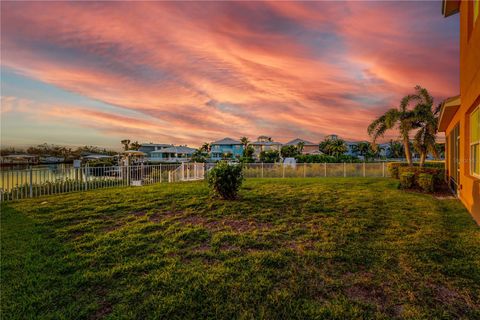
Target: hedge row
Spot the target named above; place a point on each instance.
(426, 178)
(394, 167)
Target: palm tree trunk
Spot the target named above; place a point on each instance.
(423, 156)
(408, 154)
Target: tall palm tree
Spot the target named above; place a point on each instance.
(205, 147)
(424, 140)
(245, 142)
(126, 144)
(403, 118)
(300, 147)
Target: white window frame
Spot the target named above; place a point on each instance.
(472, 143)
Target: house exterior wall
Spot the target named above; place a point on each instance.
(468, 185)
(265, 147)
(307, 149)
(218, 150)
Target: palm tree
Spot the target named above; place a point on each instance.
(126, 144)
(135, 145)
(404, 118)
(333, 146)
(205, 147)
(395, 149)
(424, 140)
(245, 142)
(362, 148)
(300, 146)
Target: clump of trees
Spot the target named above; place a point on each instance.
(290, 151)
(270, 156)
(128, 145)
(54, 150)
(421, 117)
(333, 146)
(367, 150)
(201, 154)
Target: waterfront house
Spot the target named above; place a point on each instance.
(172, 154)
(460, 115)
(308, 147)
(264, 143)
(148, 148)
(226, 148)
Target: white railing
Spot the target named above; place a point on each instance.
(35, 182)
(187, 172)
(309, 170)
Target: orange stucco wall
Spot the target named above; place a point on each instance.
(469, 189)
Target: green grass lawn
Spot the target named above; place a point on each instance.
(288, 248)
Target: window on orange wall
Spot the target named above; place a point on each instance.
(475, 142)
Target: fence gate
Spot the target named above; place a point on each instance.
(187, 172)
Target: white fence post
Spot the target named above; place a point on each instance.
(85, 177)
(31, 182)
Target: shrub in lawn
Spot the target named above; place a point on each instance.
(225, 179)
(407, 180)
(426, 182)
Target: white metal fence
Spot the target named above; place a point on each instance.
(35, 182)
(309, 170)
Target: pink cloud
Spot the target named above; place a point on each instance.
(201, 71)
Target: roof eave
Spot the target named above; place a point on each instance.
(450, 7)
(449, 108)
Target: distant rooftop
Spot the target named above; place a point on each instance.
(226, 141)
(177, 149)
(156, 145)
(295, 142)
(265, 143)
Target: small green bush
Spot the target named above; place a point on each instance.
(225, 179)
(407, 180)
(426, 181)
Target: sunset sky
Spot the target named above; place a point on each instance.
(189, 72)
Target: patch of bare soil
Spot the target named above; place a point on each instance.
(115, 225)
(105, 307)
(156, 217)
(139, 213)
(240, 226)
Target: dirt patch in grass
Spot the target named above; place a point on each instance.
(139, 213)
(301, 246)
(444, 294)
(105, 306)
(240, 226)
(114, 225)
(156, 217)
